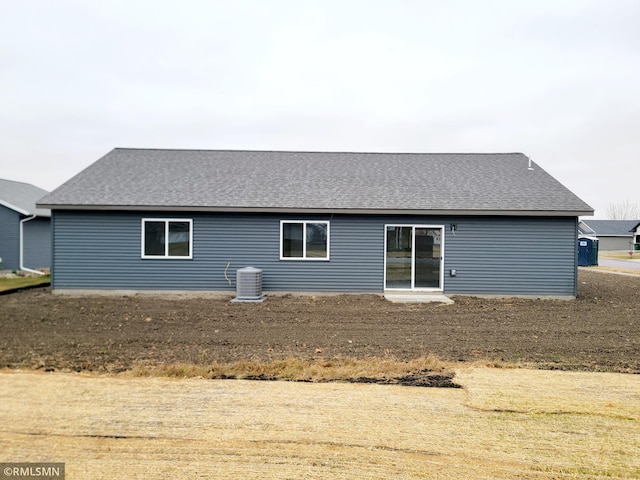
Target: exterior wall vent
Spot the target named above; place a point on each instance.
(249, 285)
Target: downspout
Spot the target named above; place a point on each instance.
(575, 258)
(22, 267)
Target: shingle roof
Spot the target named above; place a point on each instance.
(217, 180)
(608, 228)
(22, 197)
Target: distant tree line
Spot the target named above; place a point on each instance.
(623, 210)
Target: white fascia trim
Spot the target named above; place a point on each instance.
(13, 207)
(600, 235)
(587, 225)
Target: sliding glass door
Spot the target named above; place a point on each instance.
(413, 257)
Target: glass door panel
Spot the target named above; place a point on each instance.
(427, 257)
(413, 257)
(399, 257)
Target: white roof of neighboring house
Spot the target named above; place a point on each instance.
(22, 197)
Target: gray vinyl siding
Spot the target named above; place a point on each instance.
(615, 243)
(103, 250)
(512, 256)
(9, 238)
(501, 255)
(37, 243)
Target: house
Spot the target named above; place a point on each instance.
(144, 219)
(25, 231)
(611, 234)
(635, 232)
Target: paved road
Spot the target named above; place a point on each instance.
(624, 264)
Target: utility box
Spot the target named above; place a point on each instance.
(587, 252)
(249, 285)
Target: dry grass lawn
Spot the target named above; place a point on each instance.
(619, 255)
(11, 281)
(354, 370)
(505, 423)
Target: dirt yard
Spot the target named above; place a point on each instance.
(600, 331)
(503, 423)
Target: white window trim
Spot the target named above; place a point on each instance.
(166, 255)
(304, 257)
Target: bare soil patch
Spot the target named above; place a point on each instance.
(599, 331)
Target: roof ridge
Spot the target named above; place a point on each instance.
(313, 151)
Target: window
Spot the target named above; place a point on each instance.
(166, 238)
(304, 240)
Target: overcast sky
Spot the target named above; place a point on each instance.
(556, 79)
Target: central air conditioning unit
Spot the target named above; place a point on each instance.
(249, 285)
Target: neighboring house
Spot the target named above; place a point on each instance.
(25, 231)
(635, 231)
(611, 234)
(142, 219)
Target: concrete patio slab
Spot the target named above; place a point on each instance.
(417, 298)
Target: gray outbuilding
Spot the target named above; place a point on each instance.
(481, 224)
